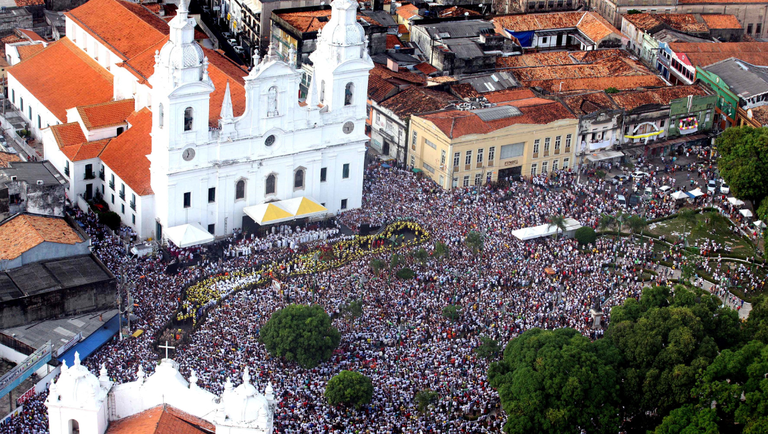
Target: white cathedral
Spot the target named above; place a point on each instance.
(186, 137)
(81, 403)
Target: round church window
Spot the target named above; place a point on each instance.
(270, 140)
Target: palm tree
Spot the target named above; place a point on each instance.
(605, 221)
(474, 241)
(636, 224)
(558, 221)
(441, 250)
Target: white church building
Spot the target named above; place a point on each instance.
(81, 403)
(185, 136)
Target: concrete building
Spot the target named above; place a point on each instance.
(748, 82)
(559, 30)
(599, 131)
(612, 10)
(752, 15)
(459, 148)
(677, 61)
(530, 6)
(33, 187)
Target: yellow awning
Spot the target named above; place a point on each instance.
(273, 212)
(309, 206)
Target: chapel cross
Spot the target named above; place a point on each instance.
(166, 348)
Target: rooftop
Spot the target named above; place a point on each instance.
(416, 100)
(532, 111)
(704, 54)
(31, 172)
(457, 29)
(127, 153)
(588, 103)
(68, 134)
(162, 419)
(407, 11)
(28, 50)
(312, 20)
(25, 231)
(760, 113)
(457, 11)
(721, 21)
(58, 331)
(64, 67)
(40, 277)
(31, 34)
(591, 24)
(630, 100)
(106, 114)
(744, 79)
(7, 157)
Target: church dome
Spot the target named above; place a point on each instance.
(181, 56)
(245, 404)
(349, 34)
(343, 28)
(77, 385)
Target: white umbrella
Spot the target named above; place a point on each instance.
(678, 195)
(745, 212)
(735, 202)
(759, 224)
(696, 192)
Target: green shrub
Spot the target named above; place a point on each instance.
(405, 273)
(585, 235)
(110, 219)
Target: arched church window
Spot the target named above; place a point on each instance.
(188, 118)
(298, 179)
(322, 92)
(74, 427)
(272, 101)
(240, 189)
(270, 187)
(160, 115)
(349, 93)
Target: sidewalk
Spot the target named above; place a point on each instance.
(707, 286)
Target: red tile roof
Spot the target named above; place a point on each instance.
(7, 157)
(457, 11)
(642, 21)
(162, 419)
(721, 21)
(587, 103)
(31, 34)
(63, 67)
(591, 24)
(27, 51)
(125, 28)
(22, 3)
(464, 90)
(23, 232)
(393, 40)
(597, 83)
(380, 89)
(630, 100)
(705, 53)
(106, 114)
(127, 153)
(686, 23)
(403, 29)
(407, 11)
(535, 111)
(426, 68)
(85, 150)
(508, 95)
(314, 20)
(68, 134)
(546, 58)
(416, 100)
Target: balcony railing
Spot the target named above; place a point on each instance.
(66, 170)
(101, 175)
(122, 195)
(133, 206)
(112, 185)
(88, 175)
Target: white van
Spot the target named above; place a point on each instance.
(622, 200)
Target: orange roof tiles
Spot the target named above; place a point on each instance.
(590, 24)
(314, 20)
(125, 28)
(464, 90)
(407, 11)
(760, 114)
(546, 58)
(597, 83)
(11, 39)
(85, 150)
(456, 11)
(596, 27)
(415, 100)
(508, 95)
(392, 41)
(587, 103)
(402, 29)
(22, 3)
(7, 157)
(27, 51)
(705, 53)
(32, 35)
(23, 232)
(379, 89)
(127, 153)
(106, 114)
(63, 67)
(426, 68)
(630, 100)
(162, 419)
(686, 23)
(535, 111)
(68, 134)
(721, 21)
(643, 21)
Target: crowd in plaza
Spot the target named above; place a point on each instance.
(401, 341)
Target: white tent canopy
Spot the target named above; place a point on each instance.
(759, 224)
(679, 195)
(545, 230)
(285, 210)
(695, 192)
(606, 155)
(745, 212)
(187, 235)
(735, 202)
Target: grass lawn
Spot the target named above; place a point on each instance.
(717, 230)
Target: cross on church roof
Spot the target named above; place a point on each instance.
(166, 348)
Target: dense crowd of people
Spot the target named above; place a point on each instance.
(402, 340)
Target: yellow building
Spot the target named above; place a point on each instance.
(459, 148)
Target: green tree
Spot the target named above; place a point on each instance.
(395, 260)
(452, 312)
(743, 161)
(301, 334)
(441, 250)
(423, 398)
(605, 222)
(585, 235)
(636, 224)
(474, 241)
(600, 174)
(757, 323)
(421, 255)
(405, 274)
(689, 420)
(558, 221)
(377, 265)
(352, 309)
(556, 381)
(349, 388)
(488, 349)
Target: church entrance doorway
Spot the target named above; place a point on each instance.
(158, 231)
(511, 172)
(385, 148)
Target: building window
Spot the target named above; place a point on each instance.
(13, 96)
(343, 204)
(21, 104)
(480, 156)
(270, 185)
(567, 141)
(546, 145)
(455, 182)
(456, 158)
(429, 168)
(89, 171)
(468, 158)
(212, 229)
(533, 169)
(413, 161)
(240, 190)
(39, 122)
(212, 195)
(122, 208)
(133, 218)
(749, 29)
(544, 167)
(414, 136)
(323, 174)
(557, 143)
(430, 144)
(565, 163)
(662, 123)
(112, 181)
(188, 118)
(554, 165)
(536, 147)
(160, 115)
(345, 171)
(478, 178)
(29, 109)
(298, 179)
(349, 93)
(187, 199)
(322, 92)
(466, 180)
(122, 191)
(443, 157)
(113, 199)
(491, 153)
(133, 201)
(758, 28)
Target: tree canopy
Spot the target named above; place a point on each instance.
(349, 388)
(585, 235)
(743, 161)
(302, 334)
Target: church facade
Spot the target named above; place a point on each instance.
(206, 139)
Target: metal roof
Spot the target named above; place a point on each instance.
(744, 79)
(499, 80)
(496, 113)
(457, 29)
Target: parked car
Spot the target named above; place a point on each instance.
(622, 200)
(238, 49)
(711, 186)
(232, 42)
(620, 179)
(648, 192)
(640, 174)
(665, 189)
(227, 35)
(725, 189)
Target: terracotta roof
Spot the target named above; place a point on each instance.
(31, 34)
(630, 100)
(407, 11)
(703, 2)
(591, 24)
(465, 90)
(403, 29)
(416, 100)
(125, 28)
(705, 53)
(599, 83)
(587, 103)
(535, 111)
(26, 51)
(508, 95)
(162, 419)
(457, 11)
(380, 89)
(403, 75)
(546, 58)
(314, 20)
(11, 39)
(7, 157)
(106, 114)
(643, 21)
(393, 40)
(721, 21)
(63, 67)
(23, 232)
(686, 23)
(22, 3)
(426, 68)
(85, 150)
(127, 153)
(68, 134)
